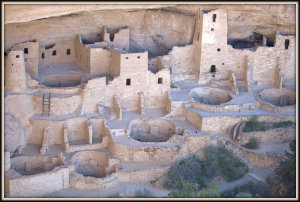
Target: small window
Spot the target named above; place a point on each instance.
(212, 29)
(126, 58)
(17, 56)
(54, 52)
(214, 16)
(138, 57)
(68, 51)
(286, 44)
(43, 55)
(219, 49)
(198, 36)
(160, 80)
(213, 69)
(128, 82)
(222, 63)
(25, 50)
(12, 64)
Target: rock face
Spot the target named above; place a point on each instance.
(14, 134)
(151, 26)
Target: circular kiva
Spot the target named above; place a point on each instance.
(210, 96)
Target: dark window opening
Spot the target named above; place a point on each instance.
(12, 64)
(126, 58)
(212, 29)
(54, 52)
(17, 56)
(286, 44)
(68, 51)
(219, 49)
(160, 80)
(198, 35)
(214, 17)
(138, 57)
(111, 36)
(270, 42)
(128, 82)
(43, 55)
(213, 69)
(222, 63)
(25, 50)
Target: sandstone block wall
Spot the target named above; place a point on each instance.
(15, 74)
(31, 56)
(100, 60)
(260, 160)
(40, 185)
(50, 54)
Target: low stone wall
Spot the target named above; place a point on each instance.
(78, 181)
(145, 176)
(276, 109)
(65, 90)
(37, 185)
(232, 82)
(273, 135)
(95, 146)
(261, 160)
(215, 108)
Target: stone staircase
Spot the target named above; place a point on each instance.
(236, 151)
(276, 165)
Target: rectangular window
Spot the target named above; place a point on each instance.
(214, 17)
(54, 52)
(43, 55)
(286, 44)
(68, 51)
(25, 50)
(128, 82)
(17, 56)
(160, 80)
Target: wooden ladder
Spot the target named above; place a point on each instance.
(46, 105)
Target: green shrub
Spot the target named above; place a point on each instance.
(283, 124)
(187, 170)
(254, 125)
(211, 191)
(188, 190)
(253, 143)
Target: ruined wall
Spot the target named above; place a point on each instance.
(115, 63)
(82, 54)
(63, 52)
(14, 70)
(40, 185)
(287, 58)
(59, 105)
(31, 56)
(78, 129)
(182, 63)
(100, 61)
(260, 160)
(56, 131)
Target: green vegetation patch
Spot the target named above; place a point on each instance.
(254, 125)
(218, 161)
(253, 143)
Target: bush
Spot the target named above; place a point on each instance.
(285, 174)
(254, 125)
(187, 170)
(188, 190)
(218, 161)
(283, 124)
(253, 143)
(211, 191)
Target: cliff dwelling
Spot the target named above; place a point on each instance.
(106, 100)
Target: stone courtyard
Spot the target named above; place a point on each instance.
(100, 111)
